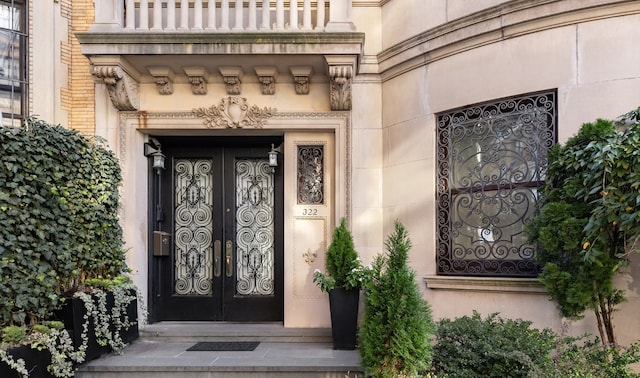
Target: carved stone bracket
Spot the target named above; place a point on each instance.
(163, 77)
(198, 78)
(340, 77)
(231, 77)
(267, 79)
(234, 113)
(122, 89)
(301, 79)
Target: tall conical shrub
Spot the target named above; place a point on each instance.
(341, 257)
(397, 326)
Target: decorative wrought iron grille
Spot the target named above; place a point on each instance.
(193, 219)
(254, 227)
(311, 175)
(492, 161)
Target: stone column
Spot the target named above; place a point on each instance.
(109, 15)
(340, 16)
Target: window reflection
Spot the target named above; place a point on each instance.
(12, 61)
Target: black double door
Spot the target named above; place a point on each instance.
(221, 203)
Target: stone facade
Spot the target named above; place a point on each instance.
(369, 88)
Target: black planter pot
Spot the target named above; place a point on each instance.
(72, 315)
(36, 362)
(344, 317)
(130, 334)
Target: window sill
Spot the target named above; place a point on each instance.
(486, 284)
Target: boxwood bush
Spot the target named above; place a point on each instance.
(471, 346)
(59, 214)
(492, 347)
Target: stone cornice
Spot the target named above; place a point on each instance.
(495, 24)
(220, 43)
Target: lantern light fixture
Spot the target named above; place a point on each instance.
(273, 157)
(153, 149)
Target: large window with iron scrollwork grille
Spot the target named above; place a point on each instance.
(492, 161)
(13, 48)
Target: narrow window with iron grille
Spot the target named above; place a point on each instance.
(13, 55)
(492, 161)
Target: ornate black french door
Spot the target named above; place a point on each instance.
(221, 203)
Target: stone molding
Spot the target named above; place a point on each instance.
(485, 284)
(234, 113)
(122, 89)
(507, 20)
(174, 122)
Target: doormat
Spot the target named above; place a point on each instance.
(224, 346)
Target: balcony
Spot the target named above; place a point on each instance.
(222, 16)
(158, 40)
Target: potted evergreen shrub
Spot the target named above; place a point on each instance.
(343, 280)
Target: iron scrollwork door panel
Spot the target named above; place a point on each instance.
(253, 221)
(193, 229)
(254, 227)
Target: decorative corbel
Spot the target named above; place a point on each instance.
(301, 79)
(267, 79)
(232, 79)
(198, 78)
(340, 77)
(163, 77)
(122, 89)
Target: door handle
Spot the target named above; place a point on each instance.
(217, 258)
(228, 258)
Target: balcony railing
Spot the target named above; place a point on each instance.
(222, 16)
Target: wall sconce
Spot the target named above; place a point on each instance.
(273, 157)
(158, 160)
(153, 149)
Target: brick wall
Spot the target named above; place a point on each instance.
(78, 97)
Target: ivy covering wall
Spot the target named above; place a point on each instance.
(59, 224)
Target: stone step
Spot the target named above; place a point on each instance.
(161, 352)
(228, 331)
